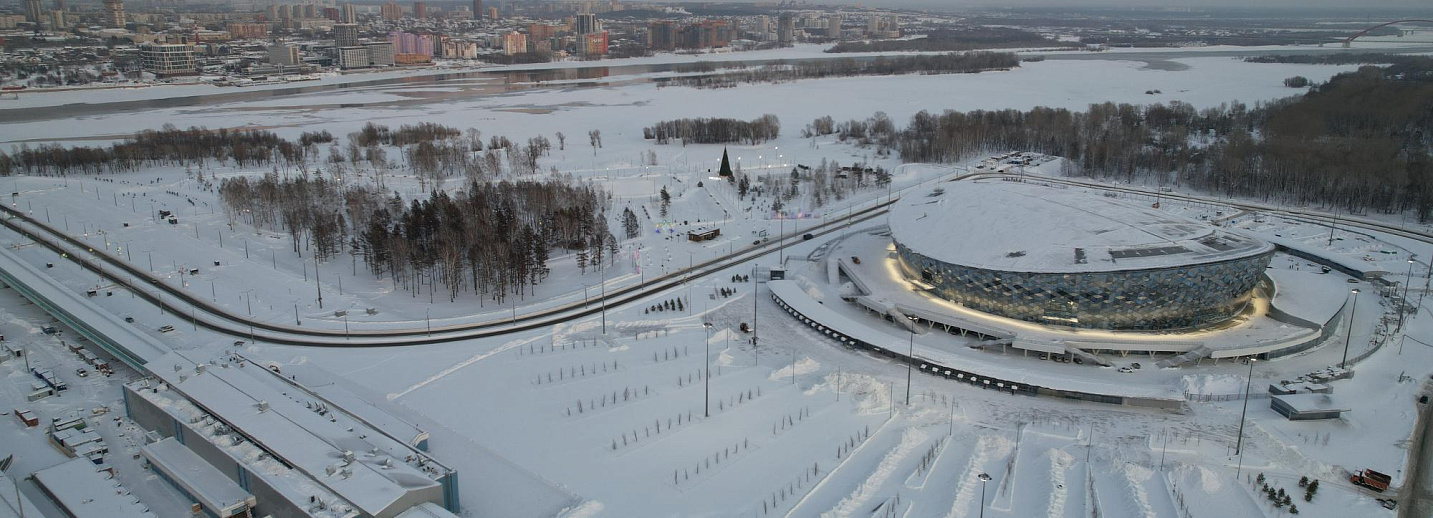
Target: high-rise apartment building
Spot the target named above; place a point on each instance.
(587, 23)
(34, 11)
(345, 35)
(247, 31)
(350, 15)
(420, 10)
(380, 54)
(284, 55)
(477, 9)
(833, 26)
(662, 35)
(114, 13)
(593, 44)
(391, 11)
(541, 31)
(514, 43)
(786, 29)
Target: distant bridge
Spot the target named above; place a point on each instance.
(1350, 39)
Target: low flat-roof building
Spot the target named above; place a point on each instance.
(81, 490)
(1305, 407)
(168, 59)
(14, 504)
(202, 483)
(299, 454)
(703, 234)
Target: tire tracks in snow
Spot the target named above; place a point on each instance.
(459, 366)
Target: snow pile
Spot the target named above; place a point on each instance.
(911, 439)
(868, 393)
(1135, 477)
(1060, 461)
(805, 365)
(1209, 480)
(1212, 384)
(987, 447)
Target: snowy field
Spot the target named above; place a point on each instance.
(798, 427)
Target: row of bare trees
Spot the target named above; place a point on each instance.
(715, 130)
(780, 72)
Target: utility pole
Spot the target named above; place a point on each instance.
(707, 373)
(604, 303)
(983, 479)
(910, 360)
(1403, 304)
(1239, 443)
(1333, 226)
(1349, 336)
(316, 284)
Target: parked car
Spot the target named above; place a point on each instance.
(808, 236)
(81, 372)
(166, 329)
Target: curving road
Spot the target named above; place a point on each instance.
(219, 319)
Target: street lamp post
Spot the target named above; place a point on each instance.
(604, 303)
(1403, 304)
(707, 373)
(910, 359)
(755, 347)
(984, 477)
(1353, 311)
(1248, 382)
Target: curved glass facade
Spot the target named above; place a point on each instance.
(1163, 298)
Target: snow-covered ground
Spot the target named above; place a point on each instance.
(798, 427)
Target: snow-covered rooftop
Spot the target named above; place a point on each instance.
(83, 491)
(199, 478)
(340, 455)
(1304, 403)
(11, 500)
(1022, 227)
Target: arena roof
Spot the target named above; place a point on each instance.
(1023, 227)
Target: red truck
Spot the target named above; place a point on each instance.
(1371, 479)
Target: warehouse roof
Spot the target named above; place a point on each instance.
(347, 457)
(201, 479)
(1023, 227)
(82, 491)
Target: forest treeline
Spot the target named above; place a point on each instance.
(715, 130)
(950, 40)
(432, 151)
(949, 63)
(490, 238)
(1360, 142)
(1362, 58)
(169, 146)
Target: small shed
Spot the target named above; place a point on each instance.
(703, 234)
(1299, 387)
(1306, 407)
(27, 417)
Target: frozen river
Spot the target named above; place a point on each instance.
(484, 83)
